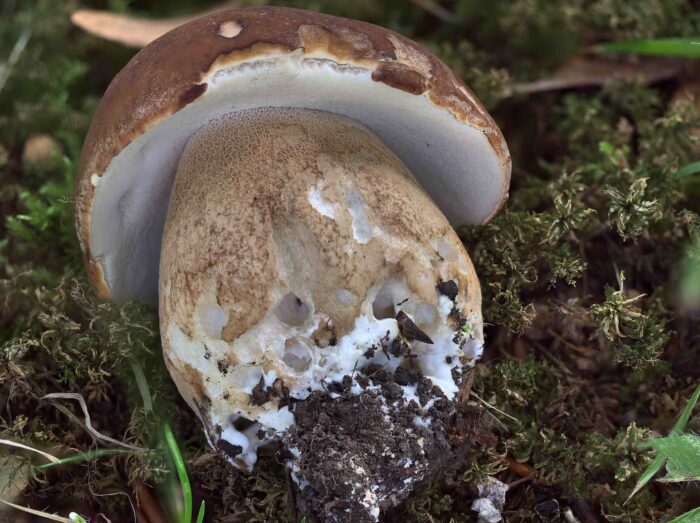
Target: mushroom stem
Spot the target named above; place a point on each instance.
(294, 238)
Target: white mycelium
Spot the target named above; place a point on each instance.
(313, 368)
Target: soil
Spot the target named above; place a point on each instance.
(365, 446)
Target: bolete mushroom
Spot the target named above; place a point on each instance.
(282, 182)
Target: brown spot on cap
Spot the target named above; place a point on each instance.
(400, 77)
(192, 93)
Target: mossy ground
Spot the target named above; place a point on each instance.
(589, 351)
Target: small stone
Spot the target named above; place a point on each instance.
(493, 489)
(486, 511)
(492, 499)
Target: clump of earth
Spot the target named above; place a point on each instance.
(362, 445)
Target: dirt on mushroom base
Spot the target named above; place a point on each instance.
(363, 445)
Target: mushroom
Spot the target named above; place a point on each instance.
(282, 183)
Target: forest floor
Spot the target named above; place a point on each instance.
(592, 343)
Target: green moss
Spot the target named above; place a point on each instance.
(637, 338)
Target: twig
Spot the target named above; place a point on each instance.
(16, 52)
(520, 481)
(570, 345)
(88, 423)
(472, 393)
(128, 30)
(437, 11)
(118, 493)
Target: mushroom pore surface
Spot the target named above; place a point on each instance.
(294, 239)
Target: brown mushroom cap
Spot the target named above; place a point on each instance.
(271, 56)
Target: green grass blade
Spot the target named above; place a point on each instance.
(181, 472)
(687, 412)
(142, 385)
(682, 452)
(690, 276)
(659, 460)
(84, 456)
(646, 476)
(689, 517)
(200, 514)
(682, 47)
(688, 170)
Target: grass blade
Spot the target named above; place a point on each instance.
(683, 455)
(45, 515)
(688, 170)
(52, 459)
(659, 460)
(200, 514)
(142, 384)
(689, 517)
(687, 412)
(83, 456)
(682, 47)
(181, 472)
(646, 476)
(678, 479)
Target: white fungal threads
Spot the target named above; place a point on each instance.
(323, 207)
(362, 228)
(212, 319)
(281, 347)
